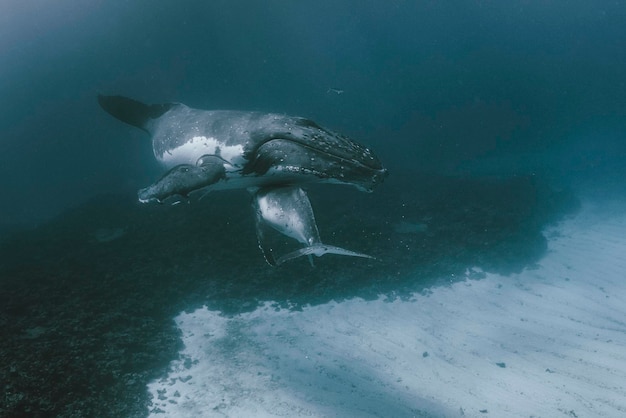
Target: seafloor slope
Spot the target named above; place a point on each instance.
(88, 300)
(549, 341)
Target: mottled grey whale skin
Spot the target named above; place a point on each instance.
(257, 149)
(206, 150)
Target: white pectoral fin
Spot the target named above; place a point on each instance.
(319, 250)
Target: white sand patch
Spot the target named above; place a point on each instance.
(549, 342)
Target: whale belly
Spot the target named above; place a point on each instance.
(197, 146)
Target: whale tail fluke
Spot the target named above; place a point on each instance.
(319, 250)
(132, 111)
(287, 210)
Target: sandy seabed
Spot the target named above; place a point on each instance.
(548, 342)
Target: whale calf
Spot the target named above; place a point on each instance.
(271, 155)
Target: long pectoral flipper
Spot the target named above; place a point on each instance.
(288, 211)
(184, 179)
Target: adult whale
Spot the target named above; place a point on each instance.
(271, 155)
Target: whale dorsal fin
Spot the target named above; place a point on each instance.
(132, 111)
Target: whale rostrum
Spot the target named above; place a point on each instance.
(271, 155)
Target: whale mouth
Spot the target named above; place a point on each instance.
(289, 158)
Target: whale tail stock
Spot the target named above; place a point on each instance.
(287, 209)
(132, 111)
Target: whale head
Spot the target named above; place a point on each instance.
(312, 153)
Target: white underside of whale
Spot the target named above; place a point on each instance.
(200, 145)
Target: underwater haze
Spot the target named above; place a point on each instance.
(496, 287)
(428, 85)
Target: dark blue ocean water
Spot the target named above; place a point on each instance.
(428, 85)
(495, 115)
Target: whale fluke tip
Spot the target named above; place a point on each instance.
(132, 111)
(319, 250)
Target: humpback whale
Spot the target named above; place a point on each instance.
(271, 155)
